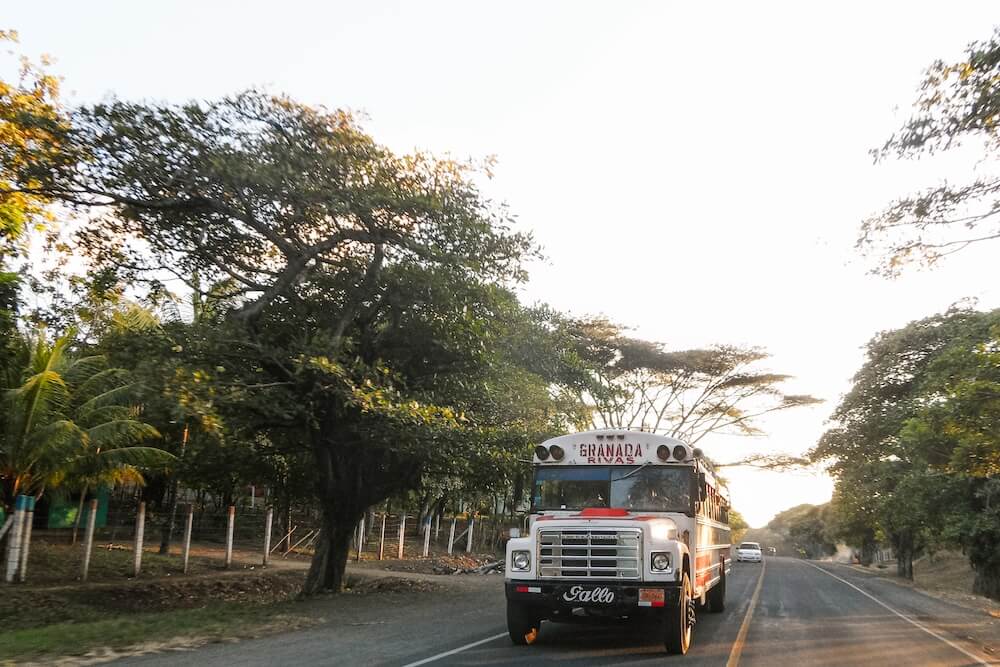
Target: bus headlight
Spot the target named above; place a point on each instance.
(664, 529)
(660, 562)
(520, 560)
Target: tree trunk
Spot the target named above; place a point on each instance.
(340, 492)
(426, 506)
(904, 556)
(326, 573)
(867, 552)
(171, 519)
(79, 514)
(987, 583)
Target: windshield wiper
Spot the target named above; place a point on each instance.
(630, 473)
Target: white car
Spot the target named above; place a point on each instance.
(749, 551)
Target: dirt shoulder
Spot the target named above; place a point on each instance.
(946, 576)
(78, 624)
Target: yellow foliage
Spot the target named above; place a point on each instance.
(29, 122)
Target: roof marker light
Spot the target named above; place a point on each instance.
(557, 452)
(680, 452)
(541, 452)
(663, 453)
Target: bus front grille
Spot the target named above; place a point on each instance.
(573, 553)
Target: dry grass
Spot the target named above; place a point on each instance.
(42, 622)
(944, 571)
(946, 575)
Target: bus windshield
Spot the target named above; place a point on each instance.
(644, 488)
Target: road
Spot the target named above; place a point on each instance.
(786, 612)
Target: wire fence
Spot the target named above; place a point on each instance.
(242, 537)
(385, 536)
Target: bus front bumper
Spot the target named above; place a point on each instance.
(603, 598)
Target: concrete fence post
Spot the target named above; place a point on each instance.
(268, 517)
(451, 535)
(468, 539)
(230, 525)
(427, 537)
(381, 538)
(402, 535)
(29, 516)
(188, 524)
(140, 530)
(14, 540)
(88, 538)
(361, 539)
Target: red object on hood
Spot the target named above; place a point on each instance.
(603, 512)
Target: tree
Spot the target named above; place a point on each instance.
(368, 287)
(854, 515)
(31, 121)
(959, 102)
(805, 529)
(907, 435)
(737, 525)
(69, 423)
(686, 394)
(957, 433)
(31, 124)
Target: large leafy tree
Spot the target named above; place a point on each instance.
(686, 394)
(958, 433)
(368, 307)
(958, 104)
(913, 448)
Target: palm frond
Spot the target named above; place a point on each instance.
(67, 421)
(55, 441)
(138, 457)
(104, 414)
(109, 395)
(119, 433)
(43, 398)
(79, 371)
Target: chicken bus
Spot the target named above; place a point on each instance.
(622, 524)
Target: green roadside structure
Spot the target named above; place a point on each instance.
(62, 512)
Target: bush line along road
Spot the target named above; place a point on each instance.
(787, 611)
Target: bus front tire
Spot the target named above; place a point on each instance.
(717, 596)
(678, 621)
(522, 624)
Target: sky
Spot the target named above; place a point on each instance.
(695, 171)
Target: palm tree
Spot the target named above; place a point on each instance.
(68, 424)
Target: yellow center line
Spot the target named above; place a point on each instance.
(741, 638)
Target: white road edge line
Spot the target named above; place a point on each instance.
(978, 659)
(455, 650)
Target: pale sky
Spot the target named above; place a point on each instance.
(697, 171)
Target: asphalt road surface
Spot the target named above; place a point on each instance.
(783, 613)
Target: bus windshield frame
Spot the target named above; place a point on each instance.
(639, 488)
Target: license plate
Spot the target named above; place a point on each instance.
(589, 594)
(651, 597)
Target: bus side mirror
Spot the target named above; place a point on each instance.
(702, 484)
